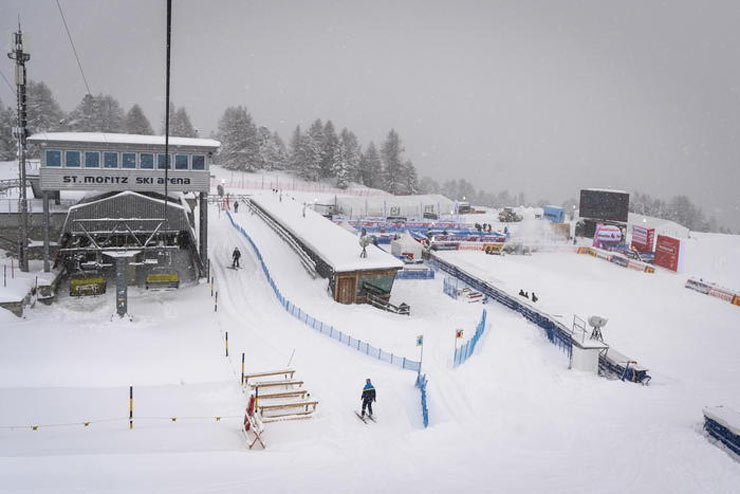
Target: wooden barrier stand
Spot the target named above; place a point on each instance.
(291, 404)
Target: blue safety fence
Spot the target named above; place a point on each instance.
(421, 383)
(449, 287)
(466, 350)
(415, 274)
(322, 327)
(721, 430)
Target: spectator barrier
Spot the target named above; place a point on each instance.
(421, 383)
(415, 274)
(466, 350)
(723, 424)
(320, 326)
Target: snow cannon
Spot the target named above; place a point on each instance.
(597, 322)
(365, 240)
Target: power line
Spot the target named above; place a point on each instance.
(12, 89)
(69, 35)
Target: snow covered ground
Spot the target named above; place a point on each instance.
(513, 418)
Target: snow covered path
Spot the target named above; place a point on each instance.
(513, 418)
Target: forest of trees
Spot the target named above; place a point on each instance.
(317, 153)
(101, 113)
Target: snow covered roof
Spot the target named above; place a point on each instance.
(661, 226)
(596, 189)
(406, 239)
(335, 245)
(110, 138)
(388, 205)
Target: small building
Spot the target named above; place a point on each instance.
(335, 251)
(554, 213)
(406, 247)
(660, 225)
(111, 163)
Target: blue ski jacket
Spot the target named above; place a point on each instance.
(368, 392)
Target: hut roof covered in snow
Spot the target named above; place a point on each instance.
(333, 244)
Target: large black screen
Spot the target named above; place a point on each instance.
(604, 205)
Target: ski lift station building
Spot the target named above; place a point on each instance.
(334, 251)
(125, 210)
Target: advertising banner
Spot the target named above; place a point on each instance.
(606, 234)
(139, 180)
(667, 250)
(642, 238)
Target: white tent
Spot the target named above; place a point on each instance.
(406, 246)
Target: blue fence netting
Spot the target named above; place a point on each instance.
(421, 383)
(321, 327)
(464, 352)
(415, 274)
(449, 287)
(722, 433)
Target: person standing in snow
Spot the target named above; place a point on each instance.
(236, 207)
(368, 397)
(235, 258)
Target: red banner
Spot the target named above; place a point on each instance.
(666, 252)
(642, 238)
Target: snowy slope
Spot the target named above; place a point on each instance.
(513, 418)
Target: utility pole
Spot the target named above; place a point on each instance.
(21, 132)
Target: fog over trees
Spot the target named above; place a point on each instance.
(318, 153)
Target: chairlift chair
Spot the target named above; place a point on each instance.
(85, 283)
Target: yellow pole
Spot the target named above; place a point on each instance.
(130, 407)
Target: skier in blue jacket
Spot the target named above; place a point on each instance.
(368, 397)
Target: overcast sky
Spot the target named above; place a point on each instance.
(543, 97)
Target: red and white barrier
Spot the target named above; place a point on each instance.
(713, 290)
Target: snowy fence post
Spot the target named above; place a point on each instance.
(215, 305)
(211, 286)
(130, 407)
(226, 342)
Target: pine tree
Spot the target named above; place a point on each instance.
(44, 113)
(101, 113)
(428, 185)
(271, 150)
(410, 178)
(239, 141)
(391, 153)
(311, 151)
(183, 127)
(340, 165)
(371, 167)
(282, 152)
(295, 149)
(137, 123)
(329, 143)
(110, 116)
(83, 117)
(180, 125)
(7, 142)
(353, 154)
